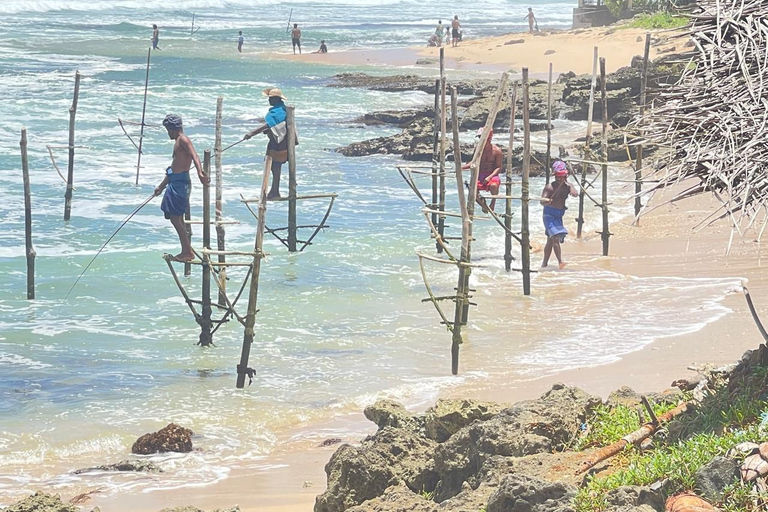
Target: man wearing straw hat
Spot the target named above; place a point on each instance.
(277, 130)
(553, 199)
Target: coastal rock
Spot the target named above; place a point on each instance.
(715, 476)
(549, 52)
(388, 413)
(632, 508)
(125, 465)
(171, 438)
(635, 496)
(402, 83)
(476, 113)
(625, 396)
(426, 62)
(188, 508)
(398, 498)
(42, 502)
(515, 41)
(400, 118)
(358, 474)
(447, 417)
(535, 426)
(519, 492)
(470, 498)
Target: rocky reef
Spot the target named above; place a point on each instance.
(171, 438)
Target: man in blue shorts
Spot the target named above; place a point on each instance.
(553, 198)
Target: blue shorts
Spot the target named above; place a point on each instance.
(553, 223)
(176, 198)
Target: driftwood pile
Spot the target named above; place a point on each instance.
(713, 121)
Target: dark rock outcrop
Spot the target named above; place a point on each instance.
(42, 502)
(402, 83)
(715, 476)
(144, 466)
(447, 417)
(519, 492)
(398, 498)
(635, 496)
(171, 438)
(388, 413)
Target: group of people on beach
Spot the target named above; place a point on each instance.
(453, 33)
(177, 184)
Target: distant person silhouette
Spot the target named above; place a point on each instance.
(240, 42)
(155, 37)
(296, 38)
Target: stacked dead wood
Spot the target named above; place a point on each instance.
(713, 122)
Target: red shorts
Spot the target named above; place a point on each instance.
(482, 185)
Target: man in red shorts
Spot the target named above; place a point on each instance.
(490, 167)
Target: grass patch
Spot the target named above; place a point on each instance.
(657, 20)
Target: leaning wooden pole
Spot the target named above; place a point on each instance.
(220, 232)
(29, 249)
(548, 160)
(206, 338)
(291, 125)
(143, 115)
(441, 194)
(508, 210)
(462, 293)
(639, 162)
(475, 170)
(71, 163)
(436, 157)
(582, 189)
(253, 293)
(188, 227)
(604, 234)
(525, 234)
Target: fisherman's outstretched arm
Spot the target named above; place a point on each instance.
(260, 129)
(159, 189)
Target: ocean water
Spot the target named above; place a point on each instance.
(340, 324)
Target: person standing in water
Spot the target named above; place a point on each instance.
(531, 20)
(455, 31)
(553, 199)
(177, 184)
(155, 37)
(439, 32)
(277, 130)
(296, 38)
(240, 41)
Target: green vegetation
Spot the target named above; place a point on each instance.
(657, 20)
(729, 416)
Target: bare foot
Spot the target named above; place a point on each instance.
(184, 256)
(562, 265)
(273, 197)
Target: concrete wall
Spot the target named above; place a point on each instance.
(587, 16)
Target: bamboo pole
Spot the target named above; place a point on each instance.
(508, 210)
(639, 162)
(436, 155)
(206, 338)
(548, 162)
(253, 294)
(143, 115)
(291, 125)
(525, 234)
(604, 234)
(441, 178)
(475, 170)
(29, 249)
(71, 163)
(580, 219)
(462, 296)
(220, 232)
(188, 226)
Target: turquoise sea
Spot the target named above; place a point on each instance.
(340, 324)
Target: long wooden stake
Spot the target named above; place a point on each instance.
(462, 296)
(525, 234)
(441, 198)
(436, 157)
(30, 250)
(508, 210)
(206, 337)
(253, 294)
(220, 232)
(604, 234)
(71, 163)
(143, 115)
(188, 227)
(582, 189)
(639, 162)
(291, 125)
(549, 125)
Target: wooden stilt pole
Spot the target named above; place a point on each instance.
(188, 226)
(548, 162)
(462, 294)
(291, 125)
(436, 157)
(580, 219)
(30, 250)
(143, 115)
(192, 30)
(71, 163)
(205, 315)
(604, 234)
(508, 210)
(472, 198)
(525, 234)
(220, 232)
(639, 162)
(253, 294)
(441, 198)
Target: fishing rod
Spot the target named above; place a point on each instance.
(289, 22)
(142, 205)
(235, 144)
